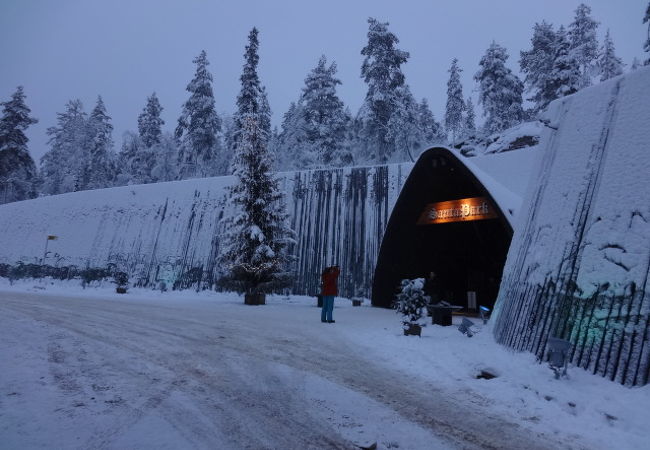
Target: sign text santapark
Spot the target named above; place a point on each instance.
(461, 210)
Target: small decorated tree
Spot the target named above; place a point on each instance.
(411, 302)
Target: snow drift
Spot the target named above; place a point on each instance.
(579, 261)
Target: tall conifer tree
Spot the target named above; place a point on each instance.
(99, 171)
(150, 123)
(537, 65)
(500, 91)
(199, 125)
(609, 64)
(252, 100)
(18, 176)
(646, 45)
(64, 166)
(566, 77)
(255, 250)
(381, 70)
(324, 113)
(455, 102)
(584, 45)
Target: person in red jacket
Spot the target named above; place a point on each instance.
(330, 290)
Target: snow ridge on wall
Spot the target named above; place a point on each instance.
(579, 262)
(170, 231)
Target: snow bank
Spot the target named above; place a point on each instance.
(579, 262)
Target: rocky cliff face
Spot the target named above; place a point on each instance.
(579, 262)
(171, 231)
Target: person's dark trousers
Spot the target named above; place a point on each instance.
(328, 307)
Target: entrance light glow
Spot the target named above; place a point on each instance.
(466, 209)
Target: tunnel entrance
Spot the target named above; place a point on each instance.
(447, 223)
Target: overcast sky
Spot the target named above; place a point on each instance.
(126, 49)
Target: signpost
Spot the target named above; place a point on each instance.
(462, 210)
(50, 237)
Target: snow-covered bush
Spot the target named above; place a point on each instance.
(411, 301)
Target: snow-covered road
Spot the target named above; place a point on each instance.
(139, 373)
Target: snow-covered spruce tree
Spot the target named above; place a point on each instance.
(324, 114)
(403, 127)
(455, 102)
(18, 175)
(499, 91)
(646, 45)
(252, 100)
(294, 152)
(430, 128)
(198, 126)
(64, 165)
(584, 46)
(469, 121)
(165, 159)
(381, 70)
(255, 249)
(100, 168)
(537, 65)
(150, 156)
(150, 123)
(565, 77)
(411, 302)
(609, 64)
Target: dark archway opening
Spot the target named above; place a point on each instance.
(465, 256)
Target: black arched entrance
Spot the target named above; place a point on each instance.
(464, 255)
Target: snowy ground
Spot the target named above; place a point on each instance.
(93, 369)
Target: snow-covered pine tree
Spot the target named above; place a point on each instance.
(609, 64)
(584, 46)
(537, 65)
(100, 168)
(252, 100)
(127, 172)
(324, 113)
(455, 102)
(150, 156)
(199, 125)
(646, 45)
(403, 127)
(150, 123)
(64, 165)
(469, 122)
(294, 150)
(381, 70)
(565, 77)
(165, 159)
(499, 91)
(431, 130)
(635, 64)
(255, 249)
(135, 161)
(18, 175)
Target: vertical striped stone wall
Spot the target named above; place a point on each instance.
(579, 262)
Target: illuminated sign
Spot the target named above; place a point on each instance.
(462, 210)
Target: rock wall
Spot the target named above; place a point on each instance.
(171, 231)
(579, 262)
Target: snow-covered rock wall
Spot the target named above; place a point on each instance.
(170, 231)
(578, 264)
